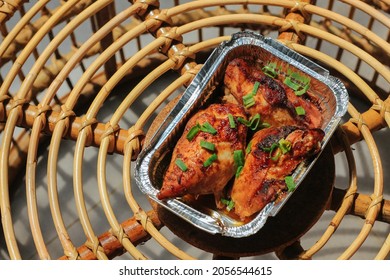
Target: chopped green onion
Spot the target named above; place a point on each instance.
(265, 125)
(238, 171)
(193, 132)
(238, 157)
(255, 87)
(254, 122)
(271, 148)
(181, 165)
(207, 145)
(231, 121)
(291, 84)
(303, 90)
(284, 145)
(301, 79)
(229, 204)
(277, 155)
(248, 148)
(299, 83)
(289, 180)
(300, 111)
(210, 160)
(207, 127)
(243, 121)
(270, 70)
(248, 100)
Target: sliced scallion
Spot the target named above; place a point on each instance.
(302, 91)
(238, 171)
(300, 111)
(181, 165)
(238, 157)
(271, 148)
(232, 123)
(248, 148)
(229, 203)
(254, 122)
(207, 145)
(255, 88)
(284, 145)
(270, 70)
(193, 132)
(291, 84)
(277, 155)
(248, 100)
(207, 127)
(289, 180)
(243, 121)
(210, 160)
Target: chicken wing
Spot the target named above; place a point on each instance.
(275, 101)
(274, 154)
(203, 158)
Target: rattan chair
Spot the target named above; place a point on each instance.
(70, 73)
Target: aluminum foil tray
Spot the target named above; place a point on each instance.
(154, 159)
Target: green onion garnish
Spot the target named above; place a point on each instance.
(271, 148)
(239, 160)
(248, 148)
(299, 83)
(277, 155)
(255, 87)
(181, 165)
(303, 90)
(229, 204)
(207, 145)
(238, 157)
(284, 145)
(207, 127)
(232, 123)
(243, 121)
(291, 84)
(289, 180)
(210, 160)
(192, 132)
(265, 125)
(300, 111)
(238, 171)
(248, 100)
(270, 70)
(254, 122)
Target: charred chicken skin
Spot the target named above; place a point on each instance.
(275, 101)
(274, 154)
(202, 160)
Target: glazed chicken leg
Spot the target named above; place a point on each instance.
(202, 160)
(275, 101)
(275, 153)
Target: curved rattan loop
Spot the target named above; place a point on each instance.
(117, 230)
(48, 97)
(358, 119)
(373, 211)
(346, 204)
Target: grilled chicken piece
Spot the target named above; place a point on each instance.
(202, 169)
(275, 153)
(275, 101)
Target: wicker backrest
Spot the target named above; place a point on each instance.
(61, 64)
